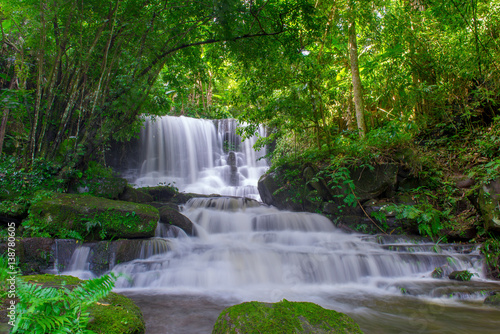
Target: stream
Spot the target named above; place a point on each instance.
(244, 250)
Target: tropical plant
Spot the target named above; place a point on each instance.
(58, 310)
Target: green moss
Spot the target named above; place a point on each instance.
(116, 314)
(48, 280)
(283, 317)
(91, 218)
(493, 300)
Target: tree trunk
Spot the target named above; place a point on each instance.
(356, 80)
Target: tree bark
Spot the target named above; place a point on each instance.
(356, 80)
(5, 116)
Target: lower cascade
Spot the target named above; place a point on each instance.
(246, 251)
(242, 250)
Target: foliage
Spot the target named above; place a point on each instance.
(491, 251)
(23, 183)
(429, 220)
(58, 310)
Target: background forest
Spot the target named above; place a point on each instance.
(337, 83)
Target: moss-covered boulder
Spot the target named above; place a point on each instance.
(283, 317)
(160, 193)
(131, 194)
(488, 201)
(493, 300)
(108, 187)
(114, 314)
(173, 217)
(92, 217)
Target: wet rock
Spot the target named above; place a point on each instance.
(493, 300)
(442, 272)
(173, 217)
(92, 217)
(283, 317)
(281, 196)
(463, 275)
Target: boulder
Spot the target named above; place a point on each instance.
(493, 300)
(131, 194)
(107, 187)
(370, 183)
(281, 196)
(488, 201)
(283, 317)
(160, 193)
(92, 218)
(463, 275)
(173, 217)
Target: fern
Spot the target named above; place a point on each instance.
(58, 310)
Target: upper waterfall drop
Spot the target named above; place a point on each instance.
(200, 156)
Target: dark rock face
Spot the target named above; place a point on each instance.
(272, 193)
(283, 317)
(371, 183)
(173, 217)
(313, 194)
(234, 177)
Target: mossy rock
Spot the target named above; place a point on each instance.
(493, 300)
(107, 187)
(283, 317)
(92, 217)
(160, 193)
(114, 314)
(131, 194)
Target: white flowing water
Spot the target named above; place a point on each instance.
(199, 156)
(245, 251)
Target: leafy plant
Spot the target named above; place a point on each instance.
(430, 220)
(58, 310)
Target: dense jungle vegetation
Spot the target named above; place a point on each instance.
(337, 83)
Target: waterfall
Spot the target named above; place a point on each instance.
(244, 250)
(244, 247)
(199, 156)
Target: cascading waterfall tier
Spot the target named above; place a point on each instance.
(199, 156)
(247, 247)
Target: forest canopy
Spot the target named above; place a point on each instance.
(77, 74)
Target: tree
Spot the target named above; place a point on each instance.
(356, 79)
(96, 63)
